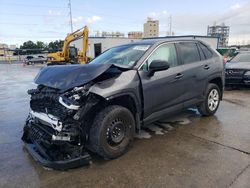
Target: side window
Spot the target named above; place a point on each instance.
(189, 52)
(201, 53)
(165, 52)
(206, 51)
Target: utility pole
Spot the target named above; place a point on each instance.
(70, 15)
(170, 25)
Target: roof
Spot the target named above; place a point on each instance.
(159, 40)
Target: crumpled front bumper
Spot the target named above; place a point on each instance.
(34, 150)
(34, 137)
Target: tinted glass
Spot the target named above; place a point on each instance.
(166, 53)
(201, 53)
(189, 52)
(242, 57)
(126, 55)
(206, 51)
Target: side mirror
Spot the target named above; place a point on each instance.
(157, 65)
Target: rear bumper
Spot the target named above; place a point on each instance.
(35, 151)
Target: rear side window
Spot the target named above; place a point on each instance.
(202, 55)
(206, 51)
(189, 52)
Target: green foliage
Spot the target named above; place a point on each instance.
(55, 46)
(30, 47)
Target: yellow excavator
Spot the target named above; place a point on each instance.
(70, 54)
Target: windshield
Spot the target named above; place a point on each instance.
(241, 57)
(126, 55)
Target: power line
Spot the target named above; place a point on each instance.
(18, 23)
(21, 14)
(30, 5)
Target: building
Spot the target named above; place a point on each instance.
(97, 45)
(112, 34)
(135, 34)
(6, 50)
(151, 28)
(213, 42)
(220, 31)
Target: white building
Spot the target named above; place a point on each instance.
(97, 45)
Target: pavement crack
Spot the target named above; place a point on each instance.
(238, 175)
(245, 152)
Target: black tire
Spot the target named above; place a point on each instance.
(206, 109)
(102, 138)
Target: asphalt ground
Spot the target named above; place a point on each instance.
(185, 150)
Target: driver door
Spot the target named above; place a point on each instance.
(165, 88)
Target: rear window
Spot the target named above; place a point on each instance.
(188, 52)
(208, 53)
(29, 57)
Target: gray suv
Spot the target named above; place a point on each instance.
(77, 109)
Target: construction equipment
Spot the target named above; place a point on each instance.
(70, 54)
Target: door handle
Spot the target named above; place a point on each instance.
(206, 67)
(178, 76)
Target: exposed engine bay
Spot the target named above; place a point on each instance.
(55, 132)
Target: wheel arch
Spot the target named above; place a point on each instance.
(129, 101)
(218, 81)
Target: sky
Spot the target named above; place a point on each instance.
(48, 20)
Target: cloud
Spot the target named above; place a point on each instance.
(54, 13)
(235, 6)
(77, 19)
(158, 15)
(89, 20)
(52, 16)
(237, 16)
(93, 19)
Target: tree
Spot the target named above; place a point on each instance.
(40, 45)
(28, 45)
(55, 46)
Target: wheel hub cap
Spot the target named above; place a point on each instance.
(213, 99)
(115, 132)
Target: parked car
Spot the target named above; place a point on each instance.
(30, 60)
(98, 107)
(238, 70)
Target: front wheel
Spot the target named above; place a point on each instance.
(211, 102)
(112, 132)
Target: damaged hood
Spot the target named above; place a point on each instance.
(65, 77)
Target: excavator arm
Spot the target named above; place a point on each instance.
(64, 55)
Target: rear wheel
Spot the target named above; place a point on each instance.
(112, 132)
(211, 102)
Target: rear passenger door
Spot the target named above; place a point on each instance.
(193, 71)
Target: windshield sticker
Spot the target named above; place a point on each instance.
(141, 48)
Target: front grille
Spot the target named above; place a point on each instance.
(38, 133)
(46, 101)
(234, 73)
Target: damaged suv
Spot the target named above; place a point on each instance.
(98, 107)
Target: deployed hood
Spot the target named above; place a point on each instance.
(65, 77)
(238, 65)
